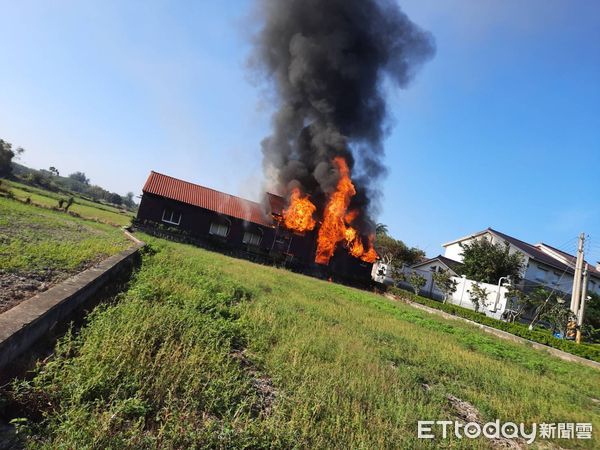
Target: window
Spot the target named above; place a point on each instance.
(433, 268)
(556, 278)
(252, 238)
(542, 274)
(172, 217)
(219, 229)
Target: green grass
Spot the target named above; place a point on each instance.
(87, 209)
(538, 334)
(37, 239)
(159, 367)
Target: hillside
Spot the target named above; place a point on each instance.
(83, 207)
(208, 351)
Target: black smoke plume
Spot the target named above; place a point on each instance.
(327, 61)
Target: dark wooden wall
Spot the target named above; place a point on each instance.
(196, 221)
(276, 243)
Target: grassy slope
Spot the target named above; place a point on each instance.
(34, 239)
(157, 369)
(538, 334)
(83, 207)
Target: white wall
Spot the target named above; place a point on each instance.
(454, 251)
(430, 289)
(594, 285)
(461, 296)
(551, 278)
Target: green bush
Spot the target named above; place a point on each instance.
(539, 335)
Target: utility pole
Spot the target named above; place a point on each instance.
(576, 293)
(582, 304)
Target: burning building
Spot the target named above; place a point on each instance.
(326, 63)
(275, 231)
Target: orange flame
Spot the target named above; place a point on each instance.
(351, 215)
(370, 255)
(299, 215)
(336, 220)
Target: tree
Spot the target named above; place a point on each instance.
(478, 295)
(6, 157)
(115, 199)
(543, 299)
(558, 315)
(397, 275)
(416, 281)
(69, 203)
(39, 178)
(591, 318)
(381, 228)
(485, 262)
(97, 193)
(397, 251)
(520, 303)
(54, 171)
(81, 177)
(128, 200)
(444, 282)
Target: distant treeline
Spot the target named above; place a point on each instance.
(76, 182)
(51, 179)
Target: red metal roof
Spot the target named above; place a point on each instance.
(203, 197)
(277, 203)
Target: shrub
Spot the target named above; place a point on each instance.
(416, 281)
(539, 335)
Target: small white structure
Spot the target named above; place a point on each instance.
(381, 272)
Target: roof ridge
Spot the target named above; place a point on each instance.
(205, 187)
(557, 249)
(449, 259)
(511, 237)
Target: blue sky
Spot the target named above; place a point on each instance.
(500, 129)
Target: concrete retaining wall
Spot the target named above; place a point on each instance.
(31, 320)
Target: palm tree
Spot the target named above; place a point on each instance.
(381, 228)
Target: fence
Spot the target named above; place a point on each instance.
(493, 306)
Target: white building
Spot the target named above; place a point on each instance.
(494, 305)
(544, 265)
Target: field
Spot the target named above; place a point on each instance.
(206, 351)
(85, 208)
(39, 247)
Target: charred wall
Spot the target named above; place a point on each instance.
(278, 245)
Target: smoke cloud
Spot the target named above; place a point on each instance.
(327, 61)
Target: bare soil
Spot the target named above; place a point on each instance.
(262, 384)
(18, 286)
